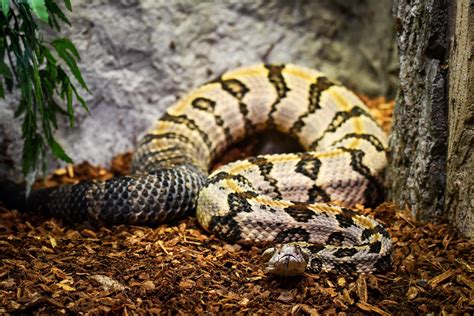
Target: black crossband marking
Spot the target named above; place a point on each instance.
(208, 105)
(159, 157)
(338, 120)
(368, 232)
(383, 263)
(238, 202)
(227, 176)
(235, 88)
(300, 212)
(317, 194)
(309, 166)
(162, 152)
(314, 96)
(335, 238)
(191, 124)
(148, 138)
(265, 167)
(374, 192)
(345, 252)
(203, 104)
(238, 90)
(375, 247)
(225, 226)
(292, 234)
(315, 265)
(368, 137)
(275, 76)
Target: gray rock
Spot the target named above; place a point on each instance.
(138, 57)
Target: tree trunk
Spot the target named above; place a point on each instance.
(460, 163)
(416, 174)
(428, 171)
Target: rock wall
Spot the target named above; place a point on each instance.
(138, 57)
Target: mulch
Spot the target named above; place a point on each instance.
(48, 267)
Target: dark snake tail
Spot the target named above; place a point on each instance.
(165, 195)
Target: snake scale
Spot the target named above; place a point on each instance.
(279, 199)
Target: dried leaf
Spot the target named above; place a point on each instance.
(468, 282)
(59, 273)
(108, 283)
(148, 285)
(370, 308)
(299, 308)
(440, 278)
(187, 284)
(285, 297)
(66, 286)
(341, 281)
(244, 302)
(52, 241)
(412, 293)
(361, 288)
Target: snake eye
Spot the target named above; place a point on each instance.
(268, 253)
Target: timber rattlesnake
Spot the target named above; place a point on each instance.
(266, 199)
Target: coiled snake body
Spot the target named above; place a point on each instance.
(266, 199)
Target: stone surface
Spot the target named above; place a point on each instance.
(417, 160)
(138, 57)
(460, 164)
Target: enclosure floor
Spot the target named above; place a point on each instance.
(49, 267)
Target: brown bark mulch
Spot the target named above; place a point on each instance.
(47, 267)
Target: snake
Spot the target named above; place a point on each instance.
(300, 205)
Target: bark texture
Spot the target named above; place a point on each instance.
(416, 174)
(460, 164)
(139, 56)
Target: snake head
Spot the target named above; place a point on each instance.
(285, 260)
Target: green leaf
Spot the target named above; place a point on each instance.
(80, 99)
(48, 81)
(66, 44)
(26, 125)
(25, 87)
(9, 83)
(36, 68)
(70, 109)
(31, 150)
(5, 70)
(21, 108)
(2, 45)
(54, 10)
(47, 53)
(50, 117)
(68, 5)
(69, 59)
(5, 7)
(39, 8)
(38, 86)
(58, 151)
(56, 108)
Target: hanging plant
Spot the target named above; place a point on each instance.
(42, 71)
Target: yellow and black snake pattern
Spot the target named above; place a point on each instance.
(271, 199)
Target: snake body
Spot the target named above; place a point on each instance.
(278, 199)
